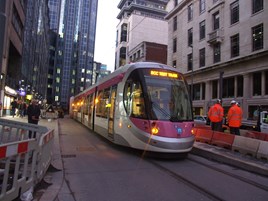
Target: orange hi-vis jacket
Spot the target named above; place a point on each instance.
(234, 116)
(215, 113)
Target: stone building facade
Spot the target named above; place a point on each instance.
(221, 46)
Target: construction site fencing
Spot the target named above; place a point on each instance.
(25, 155)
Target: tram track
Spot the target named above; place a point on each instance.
(187, 182)
(202, 189)
(243, 179)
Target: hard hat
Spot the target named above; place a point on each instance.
(233, 102)
(218, 101)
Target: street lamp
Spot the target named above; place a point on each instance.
(221, 85)
(192, 73)
(2, 84)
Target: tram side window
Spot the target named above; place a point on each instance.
(98, 105)
(138, 109)
(134, 100)
(85, 106)
(127, 97)
(75, 106)
(79, 104)
(90, 104)
(103, 101)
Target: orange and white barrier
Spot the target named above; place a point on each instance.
(252, 143)
(23, 160)
(17, 170)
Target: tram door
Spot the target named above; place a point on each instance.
(111, 113)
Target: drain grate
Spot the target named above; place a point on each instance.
(68, 156)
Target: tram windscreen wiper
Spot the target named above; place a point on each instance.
(165, 114)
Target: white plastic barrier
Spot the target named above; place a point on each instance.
(263, 150)
(245, 145)
(45, 147)
(23, 160)
(17, 161)
(12, 131)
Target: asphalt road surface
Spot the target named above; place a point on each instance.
(93, 169)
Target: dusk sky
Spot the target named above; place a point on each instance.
(106, 32)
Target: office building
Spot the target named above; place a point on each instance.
(12, 22)
(74, 49)
(221, 46)
(141, 25)
(35, 61)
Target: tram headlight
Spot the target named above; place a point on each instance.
(154, 130)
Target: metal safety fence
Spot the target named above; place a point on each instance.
(25, 155)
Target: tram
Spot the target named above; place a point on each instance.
(144, 105)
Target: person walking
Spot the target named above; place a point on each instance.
(33, 113)
(215, 115)
(234, 118)
(14, 106)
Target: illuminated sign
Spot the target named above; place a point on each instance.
(164, 74)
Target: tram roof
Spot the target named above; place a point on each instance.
(122, 71)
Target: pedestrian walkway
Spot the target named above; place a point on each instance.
(54, 180)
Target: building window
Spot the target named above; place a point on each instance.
(17, 24)
(240, 86)
(217, 52)
(122, 56)
(202, 30)
(266, 83)
(202, 57)
(175, 3)
(214, 89)
(190, 37)
(190, 12)
(202, 6)
(228, 88)
(139, 54)
(216, 20)
(257, 5)
(196, 92)
(174, 63)
(123, 33)
(174, 45)
(257, 37)
(203, 91)
(234, 45)
(257, 84)
(175, 21)
(234, 10)
(190, 61)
